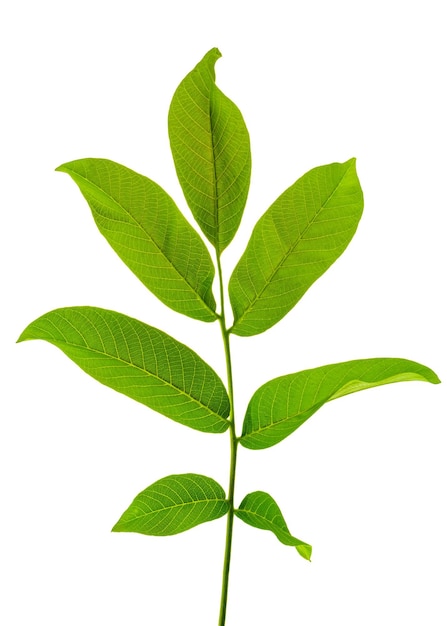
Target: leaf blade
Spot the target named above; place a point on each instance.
(283, 404)
(150, 235)
(139, 361)
(211, 150)
(296, 240)
(260, 510)
(174, 504)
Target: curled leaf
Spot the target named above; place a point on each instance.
(281, 405)
(260, 510)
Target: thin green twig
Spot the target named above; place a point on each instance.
(233, 452)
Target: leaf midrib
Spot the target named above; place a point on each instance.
(278, 528)
(175, 506)
(285, 419)
(286, 256)
(59, 344)
(140, 226)
(216, 200)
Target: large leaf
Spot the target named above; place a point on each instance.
(211, 150)
(139, 361)
(261, 511)
(174, 504)
(304, 231)
(280, 406)
(146, 229)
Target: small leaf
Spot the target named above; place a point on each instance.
(146, 229)
(174, 504)
(139, 361)
(259, 509)
(211, 150)
(296, 240)
(280, 406)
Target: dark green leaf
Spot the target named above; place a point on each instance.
(258, 509)
(280, 406)
(174, 504)
(139, 361)
(304, 231)
(145, 228)
(211, 150)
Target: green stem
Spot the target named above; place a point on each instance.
(233, 453)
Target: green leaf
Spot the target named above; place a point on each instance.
(304, 231)
(146, 229)
(174, 504)
(259, 509)
(139, 361)
(280, 406)
(211, 150)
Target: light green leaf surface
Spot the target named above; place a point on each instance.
(174, 504)
(148, 232)
(211, 150)
(139, 361)
(304, 231)
(280, 406)
(259, 509)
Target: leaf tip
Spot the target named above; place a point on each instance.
(214, 53)
(24, 335)
(431, 376)
(62, 168)
(305, 550)
(434, 378)
(209, 61)
(117, 527)
(30, 332)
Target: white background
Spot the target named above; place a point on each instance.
(364, 481)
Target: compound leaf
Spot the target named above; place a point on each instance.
(174, 504)
(148, 232)
(260, 510)
(139, 361)
(281, 405)
(296, 240)
(211, 150)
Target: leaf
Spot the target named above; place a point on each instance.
(148, 232)
(280, 406)
(174, 504)
(296, 240)
(139, 361)
(259, 509)
(211, 150)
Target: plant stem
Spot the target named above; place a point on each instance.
(233, 452)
